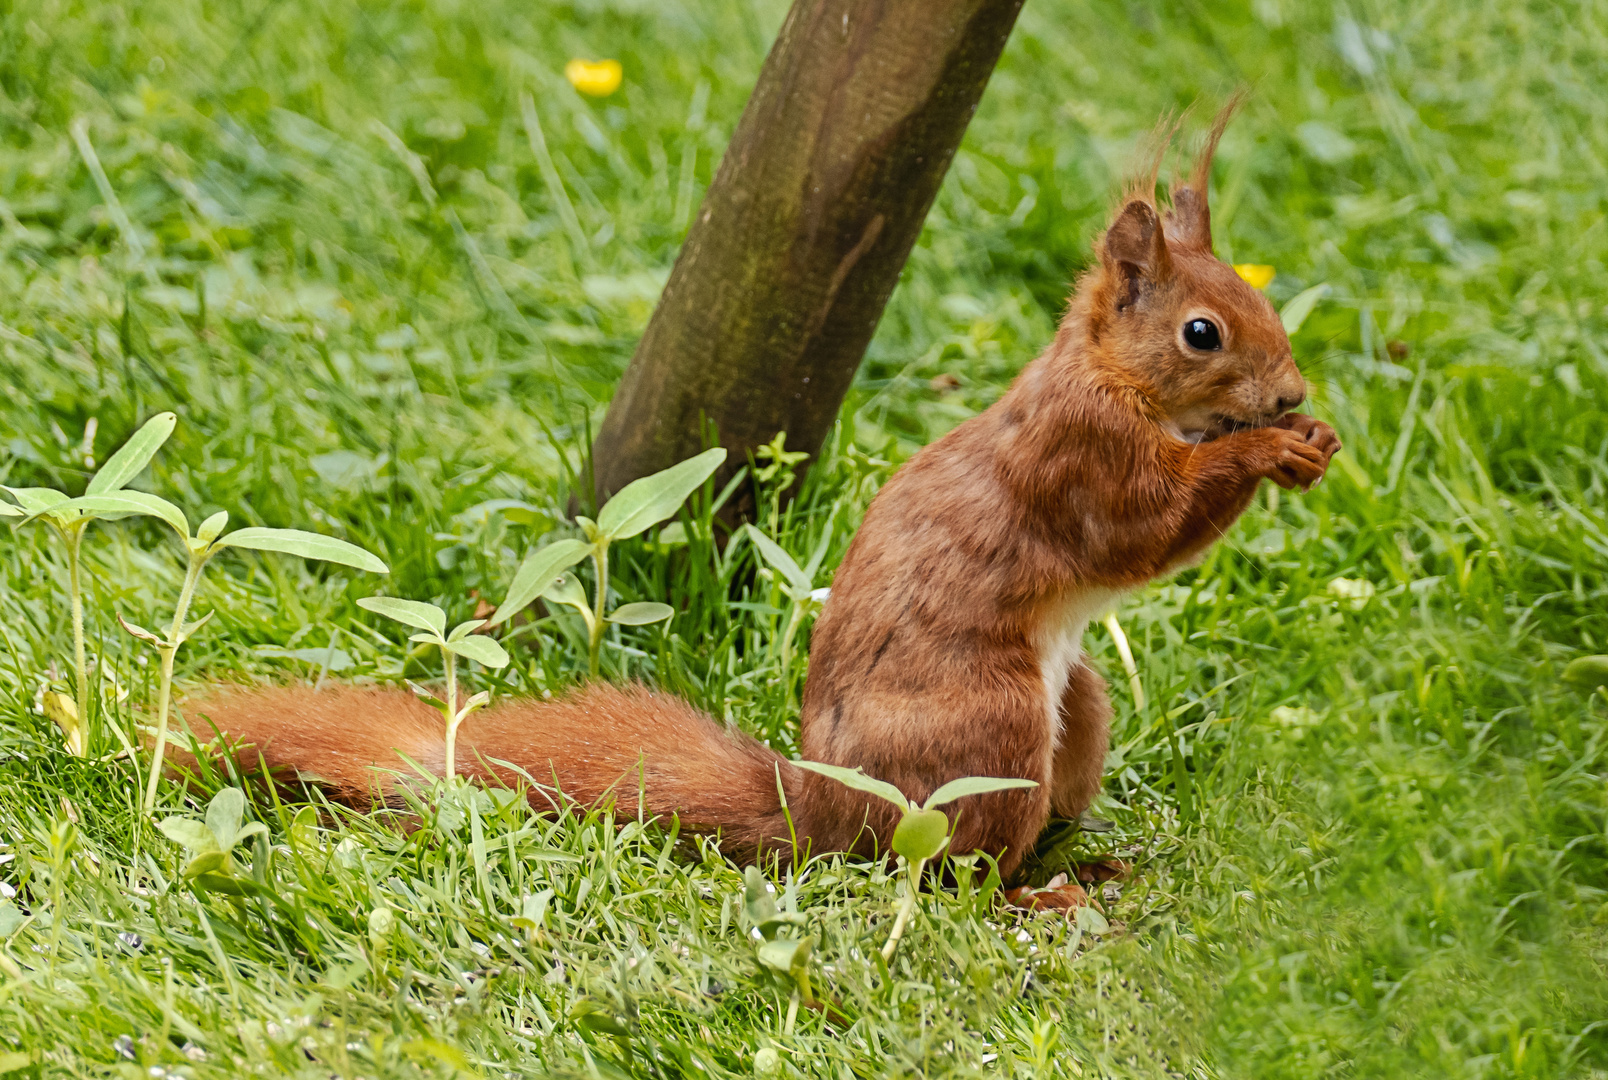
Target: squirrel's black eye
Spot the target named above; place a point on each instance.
(1202, 334)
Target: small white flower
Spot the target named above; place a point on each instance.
(1297, 717)
(1355, 591)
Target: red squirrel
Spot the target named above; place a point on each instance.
(951, 642)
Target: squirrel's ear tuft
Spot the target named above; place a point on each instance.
(1134, 251)
(1189, 223)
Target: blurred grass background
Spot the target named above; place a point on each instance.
(1370, 828)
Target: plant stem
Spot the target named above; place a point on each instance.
(905, 910)
(163, 694)
(600, 560)
(74, 537)
(1120, 639)
(164, 691)
(453, 718)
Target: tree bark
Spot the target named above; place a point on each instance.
(803, 233)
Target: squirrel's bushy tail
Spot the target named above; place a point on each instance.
(597, 744)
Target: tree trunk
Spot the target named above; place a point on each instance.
(802, 236)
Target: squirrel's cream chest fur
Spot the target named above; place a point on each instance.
(1059, 645)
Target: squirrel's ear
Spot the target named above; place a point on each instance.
(1134, 251)
(1190, 221)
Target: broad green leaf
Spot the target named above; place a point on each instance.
(304, 830)
(537, 573)
(309, 545)
(779, 560)
(973, 785)
(35, 501)
(567, 590)
(1587, 672)
(11, 917)
(859, 781)
(791, 958)
(481, 649)
(410, 612)
(920, 834)
(126, 503)
(1091, 921)
(223, 816)
(780, 955)
(464, 629)
(380, 923)
(188, 833)
(640, 614)
(225, 883)
(1295, 312)
(210, 528)
(11, 510)
(248, 830)
(761, 908)
(1090, 823)
(133, 456)
(672, 535)
(644, 503)
(208, 862)
(757, 900)
(12, 1060)
(533, 910)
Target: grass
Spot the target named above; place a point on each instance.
(1369, 826)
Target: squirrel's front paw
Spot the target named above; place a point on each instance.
(1313, 430)
(1302, 451)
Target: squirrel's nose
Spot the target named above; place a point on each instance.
(1290, 388)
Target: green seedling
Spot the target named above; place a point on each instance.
(200, 548)
(1587, 673)
(52, 507)
(786, 957)
(431, 621)
(211, 843)
(922, 832)
(777, 475)
(798, 583)
(637, 507)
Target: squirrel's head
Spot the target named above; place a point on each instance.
(1178, 324)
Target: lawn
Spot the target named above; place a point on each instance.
(1368, 822)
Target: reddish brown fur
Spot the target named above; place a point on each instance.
(601, 743)
(949, 646)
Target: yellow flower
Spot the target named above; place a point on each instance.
(1256, 275)
(599, 79)
(64, 711)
